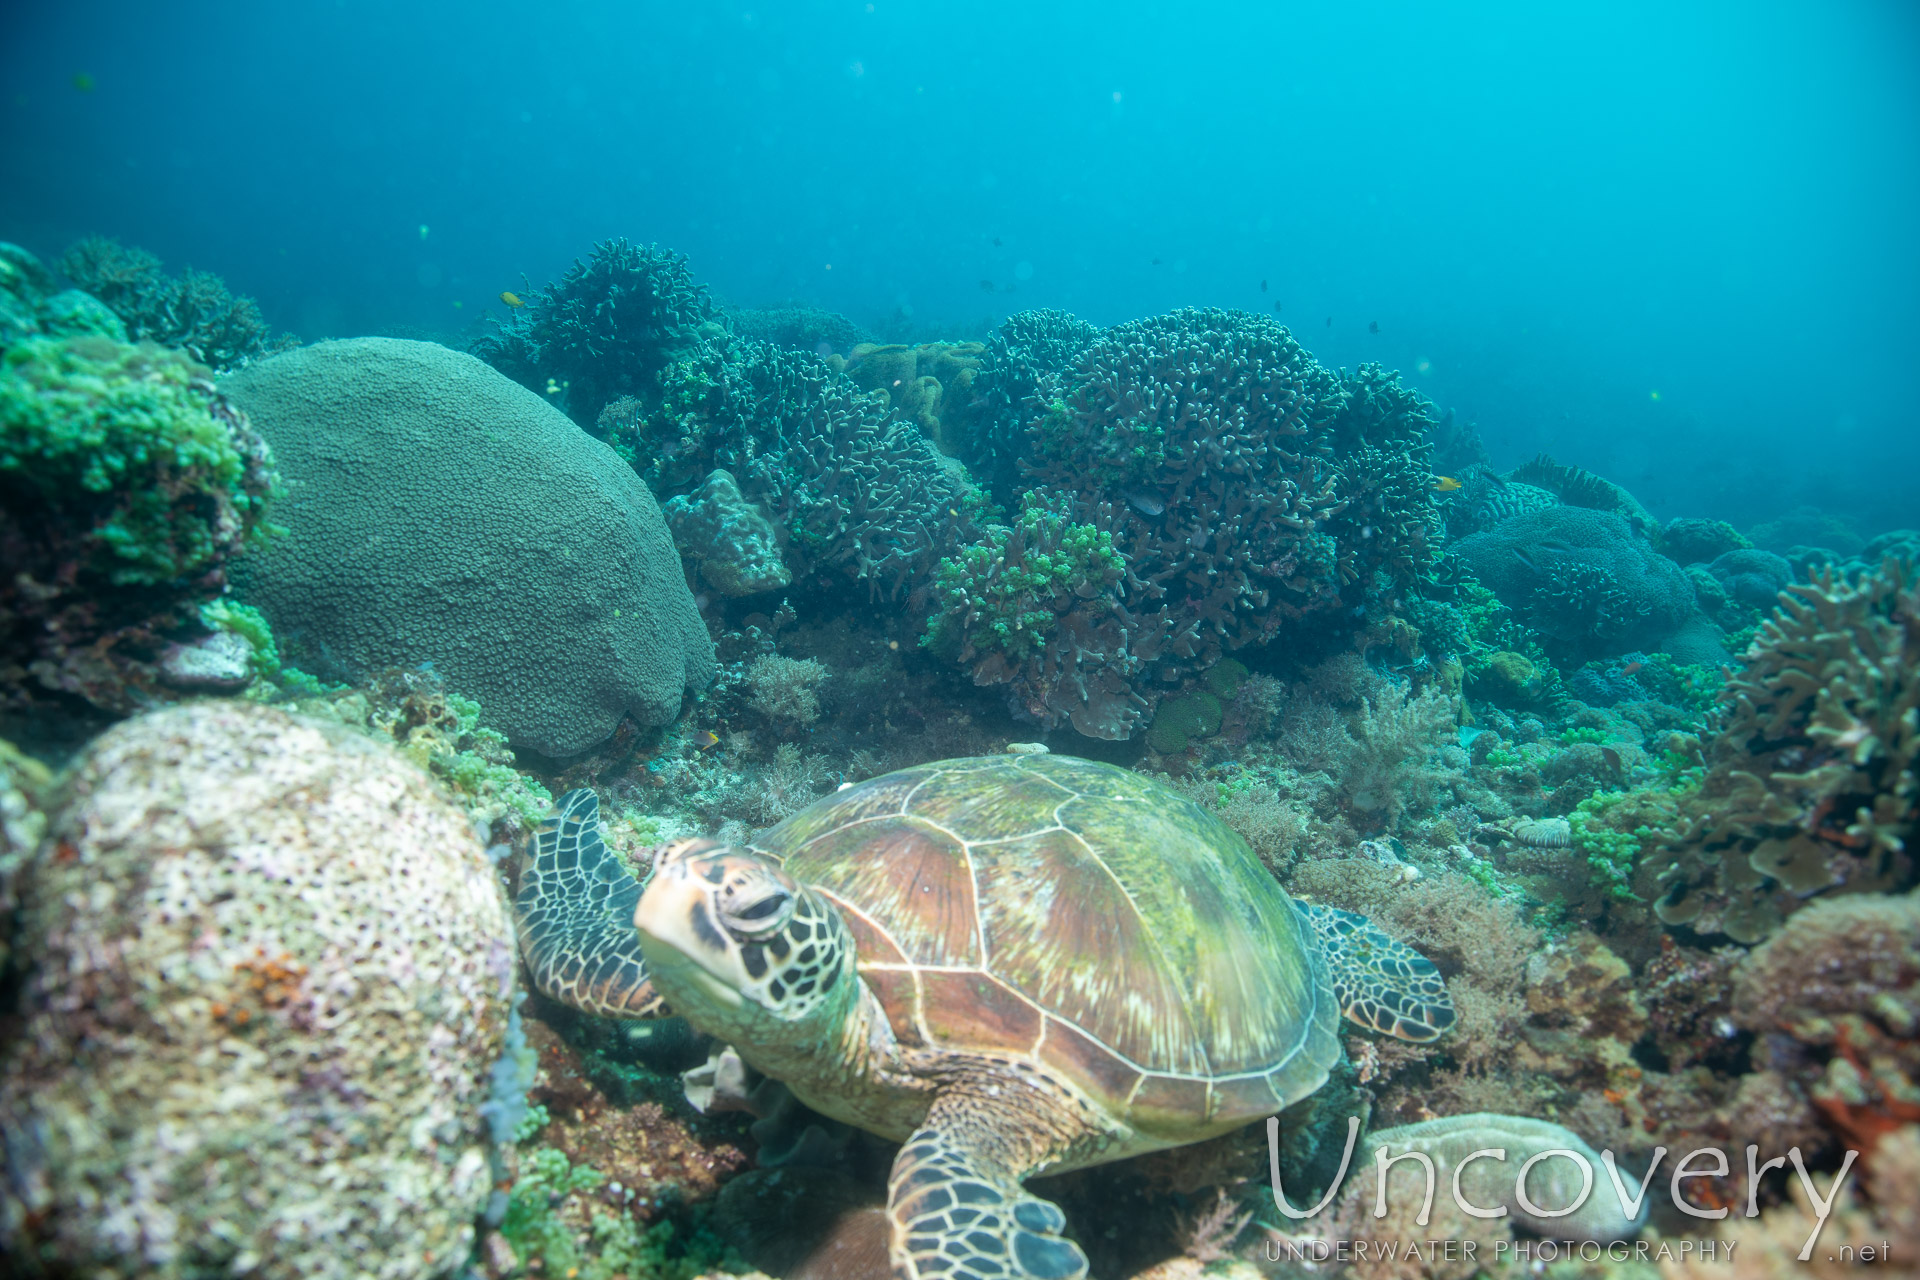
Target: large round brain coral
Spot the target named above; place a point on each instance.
(1812, 783)
(438, 513)
(127, 483)
(272, 972)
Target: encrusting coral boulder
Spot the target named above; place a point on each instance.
(1584, 579)
(439, 513)
(272, 972)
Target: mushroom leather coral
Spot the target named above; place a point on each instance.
(1813, 780)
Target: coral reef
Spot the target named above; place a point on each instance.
(1751, 577)
(1583, 580)
(731, 541)
(193, 312)
(1025, 360)
(857, 496)
(1580, 488)
(556, 600)
(1036, 606)
(1812, 781)
(796, 327)
(929, 385)
(219, 1070)
(127, 486)
(1244, 488)
(608, 327)
(1689, 540)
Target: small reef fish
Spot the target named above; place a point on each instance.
(1373, 326)
(511, 298)
(1146, 502)
(706, 739)
(1445, 484)
(1632, 667)
(1263, 286)
(986, 286)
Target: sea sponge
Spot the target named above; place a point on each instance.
(1812, 781)
(127, 485)
(273, 969)
(1584, 580)
(444, 515)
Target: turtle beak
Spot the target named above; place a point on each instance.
(680, 936)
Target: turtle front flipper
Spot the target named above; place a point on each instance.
(575, 910)
(1378, 982)
(956, 1205)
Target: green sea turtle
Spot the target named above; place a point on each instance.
(1014, 965)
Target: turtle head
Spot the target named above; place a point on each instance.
(739, 946)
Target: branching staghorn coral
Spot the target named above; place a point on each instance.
(1813, 779)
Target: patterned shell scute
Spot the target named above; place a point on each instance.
(1051, 904)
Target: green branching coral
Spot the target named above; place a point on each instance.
(251, 625)
(126, 485)
(193, 312)
(1610, 853)
(997, 600)
(555, 1231)
(1812, 783)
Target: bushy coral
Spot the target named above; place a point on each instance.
(1688, 540)
(857, 496)
(1812, 780)
(608, 327)
(194, 312)
(1025, 360)
(127, 483)
(786, 689)
(1244, 486)
(797, 327)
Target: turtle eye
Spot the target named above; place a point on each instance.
(755, 909)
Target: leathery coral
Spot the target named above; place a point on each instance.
(1811, 784)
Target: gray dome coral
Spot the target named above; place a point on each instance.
(272, 970)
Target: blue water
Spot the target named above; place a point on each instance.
(1673, 243)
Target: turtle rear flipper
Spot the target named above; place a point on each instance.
(575, 910)
(955, 1204)
(1378, 982)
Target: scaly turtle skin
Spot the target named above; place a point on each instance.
(1014, 965)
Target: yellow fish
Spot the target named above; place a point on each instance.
(706, 739)
(1445, 484)
(511, 298)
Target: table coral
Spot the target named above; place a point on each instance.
(1812, 779)
(273, 969)
(127, 485)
